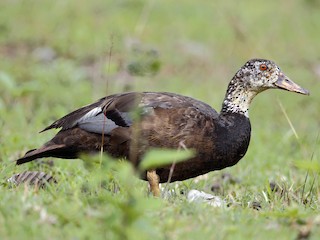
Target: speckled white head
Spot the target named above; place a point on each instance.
(254, 77)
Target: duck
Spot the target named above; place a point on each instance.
(126, 125)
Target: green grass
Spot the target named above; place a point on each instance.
(57, 56)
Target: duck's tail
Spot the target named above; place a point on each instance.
(55, 150)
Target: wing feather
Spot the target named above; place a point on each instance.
(117, 110)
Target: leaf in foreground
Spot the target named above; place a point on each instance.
(161, 157)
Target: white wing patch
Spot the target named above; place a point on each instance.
(91, 114)
(96, 122)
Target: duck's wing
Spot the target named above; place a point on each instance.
(119, 110)
(103, 115)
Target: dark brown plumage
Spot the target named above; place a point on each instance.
(133, 122)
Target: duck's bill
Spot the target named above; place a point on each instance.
(285, 83)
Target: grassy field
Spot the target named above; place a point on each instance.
(59, 55)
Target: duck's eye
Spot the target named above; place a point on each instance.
(263, 67)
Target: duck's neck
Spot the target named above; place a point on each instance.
(238, 98)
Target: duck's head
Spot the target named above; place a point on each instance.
(254, 77)
(260, 74)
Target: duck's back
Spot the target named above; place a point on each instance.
(162, 120)
(120, 108)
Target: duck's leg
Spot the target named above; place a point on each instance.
(153, 180)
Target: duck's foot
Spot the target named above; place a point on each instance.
(153, 180)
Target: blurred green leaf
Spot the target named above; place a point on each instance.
(308, 165)
(159, 157)
(6, 81)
